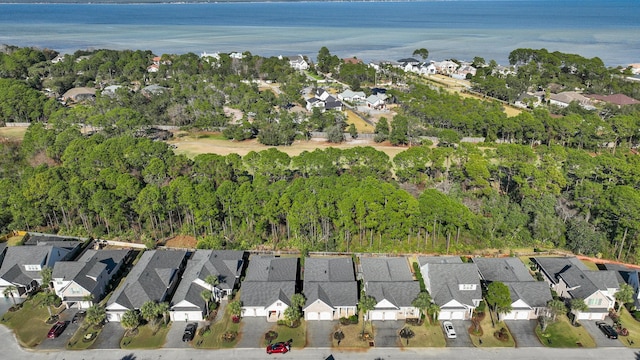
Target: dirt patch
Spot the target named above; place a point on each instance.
(181, 242)
(13, 133)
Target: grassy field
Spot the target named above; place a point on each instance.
(627, 321)
(487, 337)
(191, 146)
(285, 333)
(147, 338)
(352, 335)
(561, 334)
(362, 126)
(427, 335)
(12, 133)
(213, 338)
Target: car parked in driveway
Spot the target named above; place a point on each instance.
(78, 317)
(607, 330)
(189, 332)
(57, 329)
(279, 347)
(449, 330)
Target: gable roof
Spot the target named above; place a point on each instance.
(226, 265)
(67, 242)
(423, 260)
(534, 293)
(385, 269)
(149, 279)
(577, 276)
(443, 280)
(13, 267)
(331, 280)
(400, 293)
(262, 293)
(271, 268)
(616, 99)
(89, 267)
(502, 269)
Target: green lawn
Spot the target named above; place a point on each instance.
(561, 334)
(285, 333)
(488, 338)
(79, 342)
(29, 323)
(212, 339)
(147, 338)
(633, 340)
(427, 335)
(352, 335)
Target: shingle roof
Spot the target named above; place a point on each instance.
(67, 242)
(262, 293)
(445, 280)
(224, 264)
(149, 278)
(331, 280)
(422, 260)
(502, 269)
(271, 268)
(576, 275)
(534, 293)
(385, 269)
(401, 293)
(329, 269)
(13, 267)
(91, 264)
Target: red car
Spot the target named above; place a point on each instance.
(279, 347)
(57, 329)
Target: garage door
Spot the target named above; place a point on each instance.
(522, 315)
(376, 315)
(327, 315)
(444, 315)
(186, 316)
(457, 315)
(312, 316)
(509, 316)
(390, 315)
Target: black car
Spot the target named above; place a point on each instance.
(79, 316)
(189, 332)
(607, 330)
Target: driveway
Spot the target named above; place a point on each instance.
(61, 341)
(174, 336)
(462, 334)
(253, 330)
(110, 337)
(320, 333)
(524, 332)
(598, 336)
(387, 333)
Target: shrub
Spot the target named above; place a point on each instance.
(345, 321)
(270, 336)
(501, 334)
(229, 336)
(353, 319)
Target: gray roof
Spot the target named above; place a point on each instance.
(576, 275)
(445, 280)
(224, 264)
(502, 269)
(331, 280)
(13, 267)
(422, 260)
(261, 293)
(271, 268)
(400, 293)
(534, 293)
(91, 264)
(385, 269)
(329, 269)
(149, 279)
(38, 239)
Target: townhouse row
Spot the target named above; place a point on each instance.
(332, 286)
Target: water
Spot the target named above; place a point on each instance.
(368, 30)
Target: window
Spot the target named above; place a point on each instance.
(467, 286)
(32, 267)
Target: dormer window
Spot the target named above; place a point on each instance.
(32, 267)
(463, 287)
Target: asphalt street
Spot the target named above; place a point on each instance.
(10, 350)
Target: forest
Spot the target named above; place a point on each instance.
(550, 182)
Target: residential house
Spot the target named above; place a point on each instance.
(76, 281)
(565, 98)
(323, 100)
(268, 286)
(616, 99)
(377, 101)
(626, 275)
(352, 96)
(390, 282)
(446, 67)
(22, 266)
(153, 278)
(454, 285)
(224, 265)
(571, 279)
(330, 288)
(529, 297)
(79, 94)
(298, 63)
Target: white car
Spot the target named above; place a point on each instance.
(449, 330)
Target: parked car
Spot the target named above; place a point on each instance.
(79, 316)
(57, 329)
(189, 332)
(279, 347)
(449, 330)
(607, 330)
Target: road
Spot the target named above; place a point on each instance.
(10, 350)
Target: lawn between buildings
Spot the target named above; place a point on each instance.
(29, 323)
(147, 337)
(561, 334)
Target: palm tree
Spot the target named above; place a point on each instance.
(235, 308)
(206, 296)
(149, 311)
(366, 304)
(434, 310)
(8, 291)
(556, 307)
(163, 309)
(624, 296)
(130, 319)
(292, 314)
(46, 275)
(577, 306)
(212, 281)
(96, 315)
(88, 298)
(49, 299)
(422, 302)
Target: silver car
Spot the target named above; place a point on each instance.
(449, 330)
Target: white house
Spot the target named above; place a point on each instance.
(330, 288)
(298, 62)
